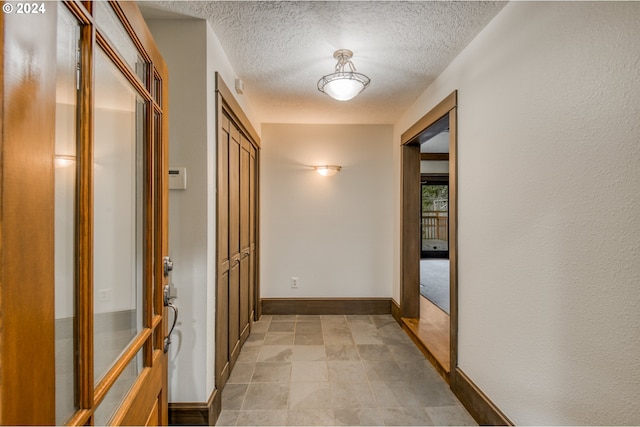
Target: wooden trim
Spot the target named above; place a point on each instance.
(435, 178)
(190, 414)
(326, 305)
(430, 118)
(142, 395)
(197, 413)
(111, 53)
(242, 119)
(143, 39)
(410, 196)
(214, 406)
(395, 311)
(27, 148)
(84, 231)
(119, 366)
(434, 156)
(453, 241)
(410, 244)
(481, 408)
(256, 296)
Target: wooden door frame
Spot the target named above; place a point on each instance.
(410, 219)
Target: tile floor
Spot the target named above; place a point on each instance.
(335, 370)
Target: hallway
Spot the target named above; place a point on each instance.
(335, 370)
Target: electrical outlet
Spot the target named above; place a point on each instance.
(294, 282)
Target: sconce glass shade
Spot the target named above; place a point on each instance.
(343, 85)
(327, 170)
(61, 161)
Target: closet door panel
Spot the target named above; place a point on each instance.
(234, 242)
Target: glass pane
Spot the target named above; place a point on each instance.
(435, 218)
(118, 213)
(110, 24)
(118, 392)
(157, 128)
(157, 89)
(65, 193)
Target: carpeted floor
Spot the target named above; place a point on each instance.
(434, 281)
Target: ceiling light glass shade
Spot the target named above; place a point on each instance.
(327, 170)
(343, 85)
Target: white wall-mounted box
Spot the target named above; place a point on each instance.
(177, 178)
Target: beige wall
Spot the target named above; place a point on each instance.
(188, 209)
(333, 233)
(192, 144)
(549, 228)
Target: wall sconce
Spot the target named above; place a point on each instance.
(62, 161)
(327, 170)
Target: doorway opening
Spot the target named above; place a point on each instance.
(434, 233)
(429, 252)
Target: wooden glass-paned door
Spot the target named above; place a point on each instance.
(83, 224)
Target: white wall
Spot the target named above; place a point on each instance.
(188, 209)
(333, 233)
(549, 230)
(193, 55)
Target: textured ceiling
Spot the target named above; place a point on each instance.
(281, 49)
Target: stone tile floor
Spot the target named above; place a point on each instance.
(335, 370)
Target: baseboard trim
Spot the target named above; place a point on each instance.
(395, 311)
(214, 405)
(188, 414)
(326, 305)
(196, 413)
(481, 408)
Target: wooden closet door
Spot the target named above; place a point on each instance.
(237, 231)
(234, 243)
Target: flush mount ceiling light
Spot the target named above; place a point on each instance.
(327, 170)
(343, 85)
